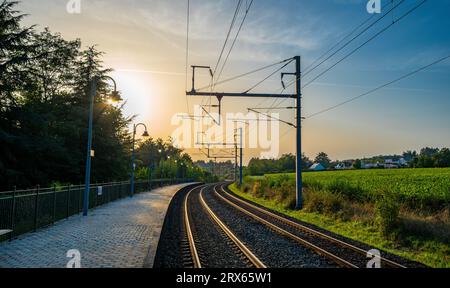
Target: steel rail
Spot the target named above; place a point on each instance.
(310, 230)
(242, 247)
(281, 231)
(190, 236)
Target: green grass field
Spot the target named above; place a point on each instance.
(353, 203)
(416, 188)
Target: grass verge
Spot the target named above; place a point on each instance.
(429, 252)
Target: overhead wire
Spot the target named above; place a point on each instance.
(365, 43)
(307, 71)
(360, 46)
(187, 53)
(379, 87)
(343, 39)
(234, 40)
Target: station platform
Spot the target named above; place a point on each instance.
(120, 234)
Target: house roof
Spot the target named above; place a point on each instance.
(316, 165)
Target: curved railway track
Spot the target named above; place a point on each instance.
(338, 251)
(241, 250)
(208, 226)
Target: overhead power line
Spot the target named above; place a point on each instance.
(272, 118)
(343, 39)
(233, 21)
(246, 74)
(187, 51)
(270, 75)
(378, 88)
(360, 46)
(365, 43)
(234, 40)
(307, 71)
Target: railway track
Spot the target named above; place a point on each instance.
(336, 250)
(242, 254)
(208, 226)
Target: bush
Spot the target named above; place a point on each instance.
(387, 208)
(258, 189)
(325, 202)
(246, 188)
(290, 202)
(344, 187)
(285, 192)
(312, 184)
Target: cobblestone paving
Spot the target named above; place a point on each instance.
(121, 234)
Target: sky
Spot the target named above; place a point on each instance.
(145, 43)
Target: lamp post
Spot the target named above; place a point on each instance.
(159, 164)
(114, 97)
(145, 134)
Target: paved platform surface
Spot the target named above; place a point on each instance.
(121, 234)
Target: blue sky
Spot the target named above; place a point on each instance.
(144, 42)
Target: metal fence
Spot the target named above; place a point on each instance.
(28, 210)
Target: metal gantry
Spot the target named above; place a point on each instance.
(297, 96)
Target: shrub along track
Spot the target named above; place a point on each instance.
(346, 252)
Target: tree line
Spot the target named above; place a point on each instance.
(426, 158)
(44, 102)
(158, 159)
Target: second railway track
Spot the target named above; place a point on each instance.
(343, 253)
(208, 226)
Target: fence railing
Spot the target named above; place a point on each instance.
(27, 210)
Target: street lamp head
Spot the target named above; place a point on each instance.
(145, 134)
(115, 97)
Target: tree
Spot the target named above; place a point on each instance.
(429, 152)
(409, 155)
(357, 164)
(426, 158)
(323, 159)
(44, 97)
(306, 162)
(286, 163)
(442, 158)
(14, 49)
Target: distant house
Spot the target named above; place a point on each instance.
(403, 162)
(340, 166)
(371, 165)
(317, 167)
(347, 164)
(389, 163)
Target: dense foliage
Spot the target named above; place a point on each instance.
(44, 85)
(429, 158)
(158, 159)
(286, 163)
(44, 100)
